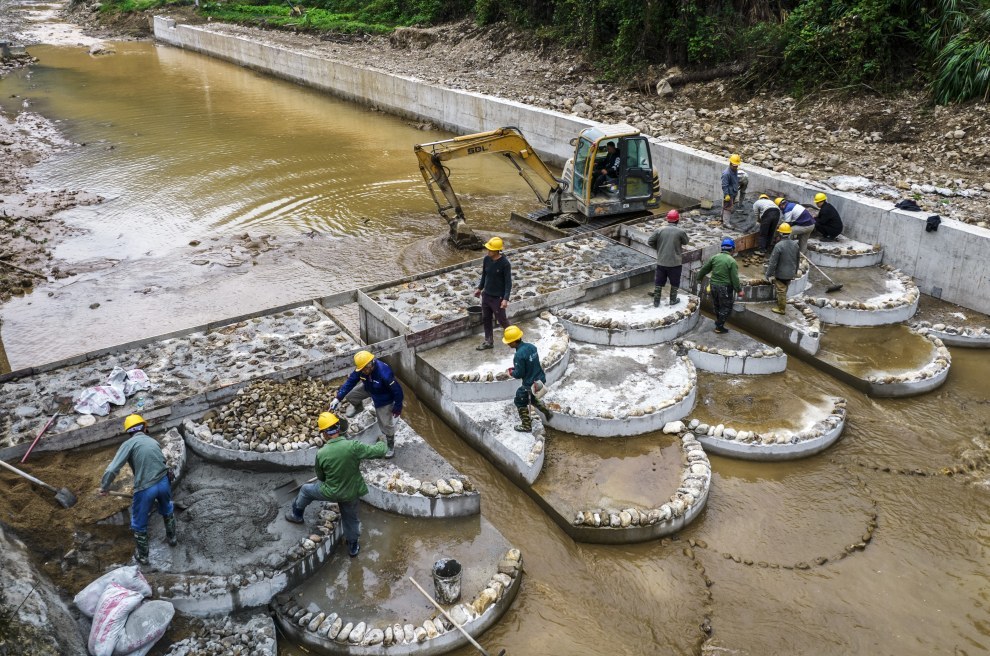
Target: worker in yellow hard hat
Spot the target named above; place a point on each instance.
(782, 267)
(828, 222)
(527, 368)
(338, 468)
(734, 184)
(377, 383)
(494, 289)
(767, 216)
(152, 482)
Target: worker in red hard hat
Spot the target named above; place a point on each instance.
(669, 242)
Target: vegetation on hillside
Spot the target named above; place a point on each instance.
(795, 45)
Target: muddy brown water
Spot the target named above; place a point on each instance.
(285, 160)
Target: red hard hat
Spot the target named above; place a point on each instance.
(673, 216)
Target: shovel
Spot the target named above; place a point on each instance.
(63, 407)
(834, 287)
(64, 497)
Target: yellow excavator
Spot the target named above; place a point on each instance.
(584, 191)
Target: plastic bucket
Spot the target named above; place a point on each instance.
(474, 310)
(447, 580)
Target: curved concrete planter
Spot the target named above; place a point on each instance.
(929, 377)
(601, 427)
(963, 340)
(762, 291)
(498, 390)
(638, 525)
(908, 388)
(844, 254)
(418, 505)
(631, 336)
(850, 316)
(737, 364)
(445, 637)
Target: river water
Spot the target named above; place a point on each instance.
(189, 148)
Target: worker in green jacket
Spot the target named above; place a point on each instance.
(338, 468)
(527, 368)
(725, 280)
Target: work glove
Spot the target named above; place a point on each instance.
(510, 370)
(740, 294)
(334, 404)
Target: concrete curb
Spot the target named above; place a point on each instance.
(329, 634)
(929, 377)
(737, 364)
(876, 316)
(519, 467)
(965, 337)
(629, 336)
(498, 390)
(775, 329)
(626, 426)
(845, 261)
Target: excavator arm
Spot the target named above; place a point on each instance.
(508, 142)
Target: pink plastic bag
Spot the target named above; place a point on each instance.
(115, 605)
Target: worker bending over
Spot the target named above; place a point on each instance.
(338, 470)
(494, 289)
(767, 215)
(725, 281)
(783, 265)
(379, 383)
(802, 223)
(151, 483)
(527, 368)
(828, 222)
(669, 242)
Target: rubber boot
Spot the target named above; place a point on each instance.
(171, 531)
(673, 296)
(543, 408)
(526, 422)
(781, 303)
(141, 547)
(390, 441)
(657, 295)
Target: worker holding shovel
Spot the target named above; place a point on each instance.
(338, 468)
(152, 481)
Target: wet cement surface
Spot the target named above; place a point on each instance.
(866, 284)
(872, 350)
(632, 307)
(704, 335)
(462, 356)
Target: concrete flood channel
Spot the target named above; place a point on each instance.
(813, 534)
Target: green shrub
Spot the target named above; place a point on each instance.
(959, 39)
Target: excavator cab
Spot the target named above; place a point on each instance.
(635, 185)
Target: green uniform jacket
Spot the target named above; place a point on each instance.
(724, 271)
(338, 467)
(144, 455)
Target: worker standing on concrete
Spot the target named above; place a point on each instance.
(725, 281)
(338, 468)
(828, 222)
(669, 242)
(783, 266)
(151, 483)
(494, 289)
(767, 215)
(802, 223)
(526, 367)
(379, 383)
(734, 185)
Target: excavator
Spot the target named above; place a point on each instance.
(581, 194)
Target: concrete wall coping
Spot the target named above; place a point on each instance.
(964, 336)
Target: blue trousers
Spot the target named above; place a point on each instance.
(310, 492)
(142, 502)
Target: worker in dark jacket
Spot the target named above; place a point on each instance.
(725, 281)
(610, 168)
(527, 368)
(494, 289)
(669, 242)
(828, 222)
(338, 470)
(783, 266)
(379, 383)
(151, 483)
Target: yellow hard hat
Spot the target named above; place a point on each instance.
(784, 228)
(820, 198)
(327, 420)
(494, 244)
(778, 201)
(361, 359)
(511, 334)
(735, 159)
(764, 196)
(133, 420)
(727, 197)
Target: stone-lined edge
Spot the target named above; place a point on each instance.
(765, 360)
(965, 337)
(922, 380)
(861, 313)
(639, 524)
(203, 595)
(638, 421)
(844, 257)
(611, 332)
(328, 633)
(750, 445)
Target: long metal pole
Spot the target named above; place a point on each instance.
(451, 619)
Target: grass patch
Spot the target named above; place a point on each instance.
(282, 16)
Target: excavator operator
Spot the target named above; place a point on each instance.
(610, 169)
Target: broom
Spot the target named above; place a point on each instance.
(834, 287)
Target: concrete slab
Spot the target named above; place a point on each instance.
(799, 328)
(953, 324)
(731, 353)
(870, 296)
(628, 318)
(844, 253)
(470, 375)
(611, 391)
(371, 595)
(489, 427)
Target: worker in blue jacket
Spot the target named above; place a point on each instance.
(378, 383)
(527, 368)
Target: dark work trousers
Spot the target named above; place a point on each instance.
(492, 306)
(665, 273)
(722, 298)
(768, 226)
(827, 231)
